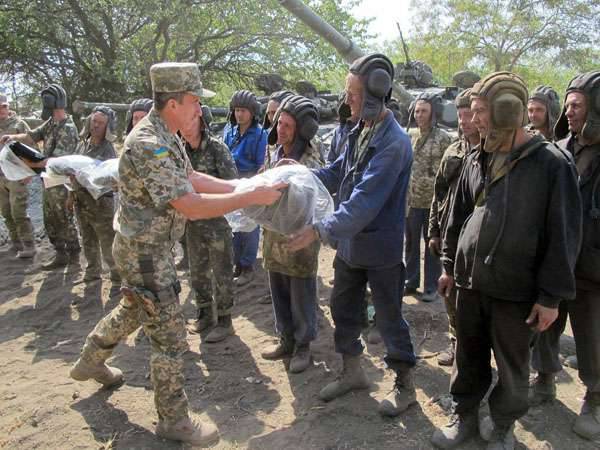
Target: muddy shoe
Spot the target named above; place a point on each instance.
(103, 374)
(301, 359)
(458, 430)
(195, 432)
(402, 396)
(60, 260)
(542, 389)
(503, 438)
(203, 322)
(223, 330)
(352, 378)
(587, 424)
(246, 277)
(446, 357)
(283, 349)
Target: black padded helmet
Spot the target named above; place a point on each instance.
(53, 97)
(243, 99)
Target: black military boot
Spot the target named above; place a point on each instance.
(460, 428)
(503, 438)
(542, 389)
(60, 260)
(203, 322)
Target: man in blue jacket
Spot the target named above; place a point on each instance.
(247, 141)
(367, 228)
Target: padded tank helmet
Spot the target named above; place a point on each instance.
(141, 104)
(549, 98)
(435, 100)
(110, 133)
(378, 72)
(277, 97)
(243, 99)
(53, 97)
(306, 115)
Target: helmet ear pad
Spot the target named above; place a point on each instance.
(508, 111)
(379, 83)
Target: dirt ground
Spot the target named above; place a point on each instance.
(256, 404)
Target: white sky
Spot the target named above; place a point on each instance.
(386, 13)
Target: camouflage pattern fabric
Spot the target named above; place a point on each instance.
(14, 194)
(153, 170)
(428, 150)
(60, 139)
(95, 217)
(277, 258)
(443, 187)
(177, 77)
(209, 242)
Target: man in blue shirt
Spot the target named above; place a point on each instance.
(247, 141)
(367, 228)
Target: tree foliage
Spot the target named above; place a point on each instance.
(102, 49)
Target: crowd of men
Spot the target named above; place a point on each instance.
(509, 212)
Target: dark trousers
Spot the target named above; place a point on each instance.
(584, 312)
(484, 324)
(294, 306)
(245, 247)
(416, 228)
(348, 305)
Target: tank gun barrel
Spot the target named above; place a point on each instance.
(404, 46)
(80, 107)
(343, 45)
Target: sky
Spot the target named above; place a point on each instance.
(385, 13)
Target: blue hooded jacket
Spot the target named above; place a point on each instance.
(248, 150)
(367, 228)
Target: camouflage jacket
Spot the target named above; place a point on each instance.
(153, 170)
(428, 150)
(213, 158)
(303, 263)
(444, 185)
(103, 151)
(13, 124)
(60, 139)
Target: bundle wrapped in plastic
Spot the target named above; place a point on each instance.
(68, 165)
(13, 167)
(100, 179)
(303, 202)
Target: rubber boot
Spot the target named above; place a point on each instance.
(402, 396)
(60, 260)
(28, 251)
(301, 359)
(203, 322)
(223, 330)
(102, 373)
(503, 438)
(352, 378)
(283, 349)
(194, 432)
(542, 390)
(587, 424)
(458, 430)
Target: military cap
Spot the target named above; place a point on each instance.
(177, 77)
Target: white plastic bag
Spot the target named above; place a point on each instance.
(68, 165)
(101, 178)
(13, 168)
(303, 202)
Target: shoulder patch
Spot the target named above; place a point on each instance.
(161, 152)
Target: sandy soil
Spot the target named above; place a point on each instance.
(256, 404)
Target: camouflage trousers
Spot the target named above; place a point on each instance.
(95, 219)
(13, 204)
(210, 255)
(59, 222)
(149, 270)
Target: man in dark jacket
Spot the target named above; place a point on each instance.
(580, 136)
(513, 262)
(367, 228)
(543, 109)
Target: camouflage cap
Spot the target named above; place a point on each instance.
(177, 77)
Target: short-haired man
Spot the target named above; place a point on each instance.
(158, 191)
(248, 143)
(543, 108)
(444, 186)
(14, 194)
(367, 228)
(510, 246)
(61, 138)
(429, 142)
(293, 275)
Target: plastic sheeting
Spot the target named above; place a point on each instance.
(303, 202)
(13, 167)
(68, 165)
(100, 179)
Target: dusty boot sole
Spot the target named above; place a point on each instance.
(211, 435)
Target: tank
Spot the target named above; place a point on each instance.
(411, 77)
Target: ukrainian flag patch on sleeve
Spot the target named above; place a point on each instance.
(161, 152)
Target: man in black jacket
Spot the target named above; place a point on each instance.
(579, 132)
(518, 213)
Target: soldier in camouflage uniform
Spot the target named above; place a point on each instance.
(429, 143)
(444, 186)
(61, 138)
(14, 194)
(293, 275)
(209, 242)
(158, 191)
(96, 216)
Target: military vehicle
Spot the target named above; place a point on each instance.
(411, 77)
